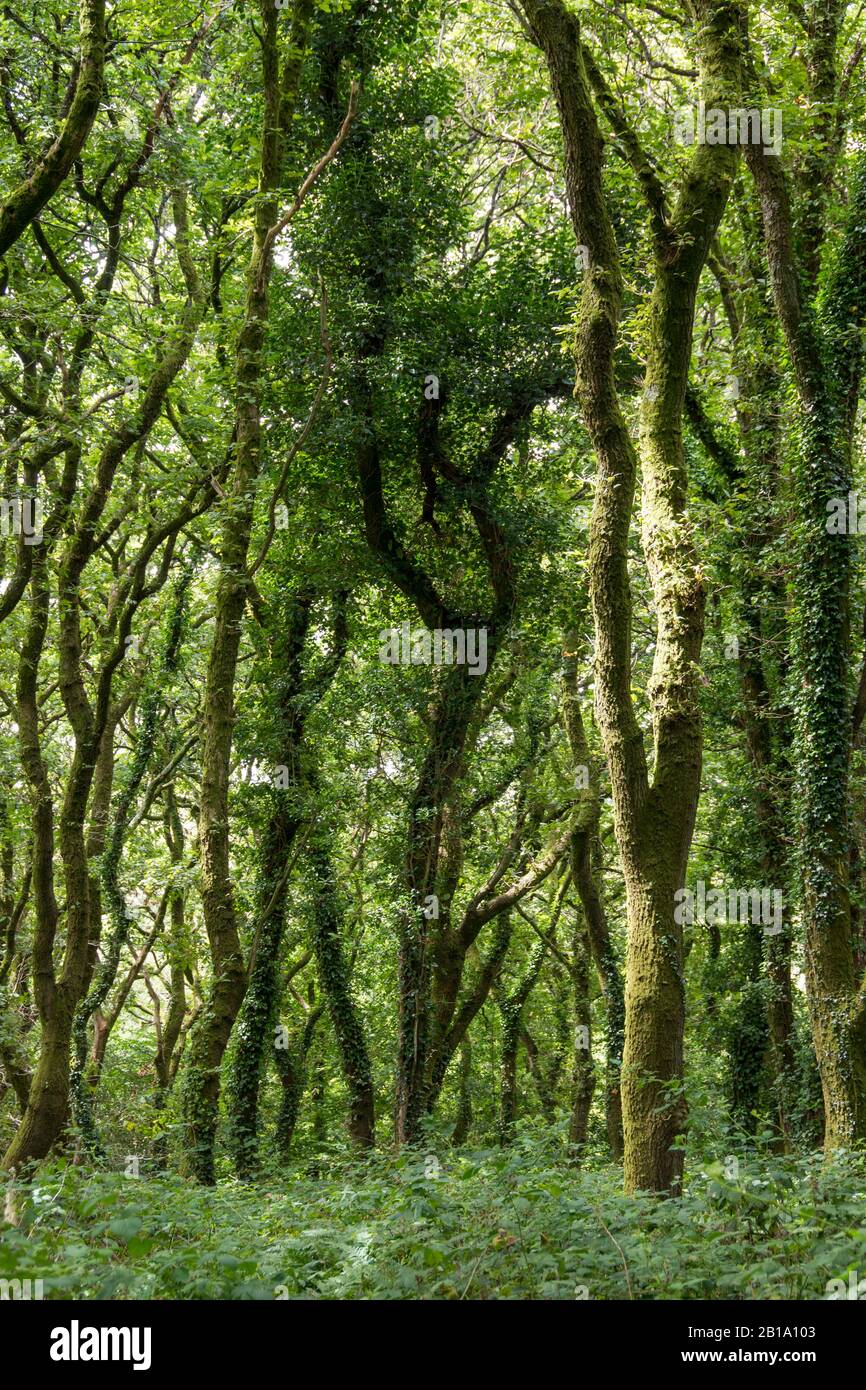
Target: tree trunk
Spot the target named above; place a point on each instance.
(823, 340)
(47, 1109)
(258, 1012)
(210, 1036)
(456, 701)
(291, 1064)
(24, 204)
(584, 849)
(463, 1123)
(653, 820)
(335, 982)
(583, 1070)
(511, 1007)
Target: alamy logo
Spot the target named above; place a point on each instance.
(846, 516)
(854, 1289)
(734, 126)
(76, 1343)
(716, 906)
(21, 516)
(20, 1289)
(407, 646)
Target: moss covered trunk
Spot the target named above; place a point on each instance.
(45, 1117)
(653, 818)
(584, 851)
(212, 1030)
(583, 1069)
(24, 203)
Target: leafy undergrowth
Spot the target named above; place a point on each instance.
(469, 1224)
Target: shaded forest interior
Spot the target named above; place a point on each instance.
(433, 796)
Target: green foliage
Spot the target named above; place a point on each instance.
(437, 246)
(479, 1223)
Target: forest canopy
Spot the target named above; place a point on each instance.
(432, 682)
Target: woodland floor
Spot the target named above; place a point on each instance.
(475, 1224)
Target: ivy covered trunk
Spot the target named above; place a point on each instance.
(837, 999)
(212, 1030)
(822, 328)
(837, 1010)
(335, 981)
(291, 1064)
(257, 1017)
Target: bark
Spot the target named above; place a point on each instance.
(335, 981)
(45, 1113)
(823, 342)
(463, 1122)
(653, 819)
(228, 984)
(291, 1064)
(177, 952)
(583, 1070)
(511, 1006)
(584, 848)
(257, 1014)
(24, 204)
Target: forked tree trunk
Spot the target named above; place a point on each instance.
(335, 982)
(653, 819)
